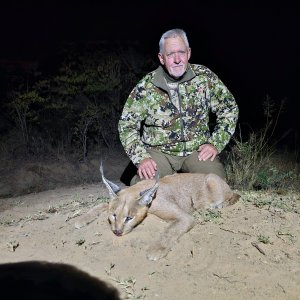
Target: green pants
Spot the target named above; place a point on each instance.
(169, 164)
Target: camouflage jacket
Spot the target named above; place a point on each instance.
(172, 130)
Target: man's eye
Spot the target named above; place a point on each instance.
(180, 53)
(171, 55)
(127, 219)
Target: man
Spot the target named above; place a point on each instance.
(164, 123)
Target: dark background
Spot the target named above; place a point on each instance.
(254, 49)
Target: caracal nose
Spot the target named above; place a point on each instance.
(118, 232)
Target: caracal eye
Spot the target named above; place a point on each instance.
(127, 219)
(112, 218)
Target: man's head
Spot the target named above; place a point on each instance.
(174, 52)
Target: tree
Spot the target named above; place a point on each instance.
(21, 101)
(82, 99)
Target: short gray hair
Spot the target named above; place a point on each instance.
(173, 33)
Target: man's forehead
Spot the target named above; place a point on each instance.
(173, 42)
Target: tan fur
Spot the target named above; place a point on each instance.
(175, 199)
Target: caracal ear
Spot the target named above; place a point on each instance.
(113, 189)
(147, 195)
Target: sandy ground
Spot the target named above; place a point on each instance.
(250, 250)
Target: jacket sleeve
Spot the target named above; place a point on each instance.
(224, 106)
(133, 114)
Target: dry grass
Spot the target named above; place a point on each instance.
(256, 163)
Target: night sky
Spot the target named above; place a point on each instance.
(254, 49)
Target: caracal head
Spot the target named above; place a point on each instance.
(126, 212)
(127, 207)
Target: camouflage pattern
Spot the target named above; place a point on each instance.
(171, 130)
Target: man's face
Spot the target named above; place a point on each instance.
(175, 56)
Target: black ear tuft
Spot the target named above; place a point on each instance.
(112, 187)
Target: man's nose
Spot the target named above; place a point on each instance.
(177, 58)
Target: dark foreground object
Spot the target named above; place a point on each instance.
(43, 280)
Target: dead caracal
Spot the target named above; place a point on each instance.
(172, 198)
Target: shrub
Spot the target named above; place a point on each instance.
(255, 163)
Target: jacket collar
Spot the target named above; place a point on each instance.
(160, 77)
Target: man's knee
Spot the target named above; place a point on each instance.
(193, 165)
(163, 165)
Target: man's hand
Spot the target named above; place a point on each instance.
(207, 151)
(147, 168)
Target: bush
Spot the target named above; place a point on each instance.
(256, 163)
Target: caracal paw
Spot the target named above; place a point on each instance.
(157, 252)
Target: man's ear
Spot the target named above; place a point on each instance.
(189, 53)
(161, 58)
